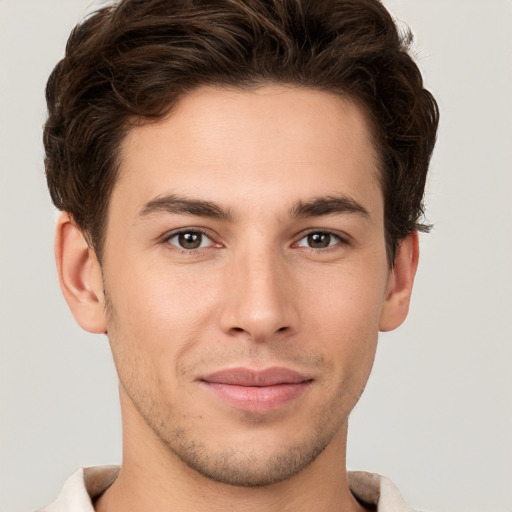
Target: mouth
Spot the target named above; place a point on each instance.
(257, 390)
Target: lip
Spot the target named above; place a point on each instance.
(257, 390)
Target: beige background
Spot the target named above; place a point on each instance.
(437, 414)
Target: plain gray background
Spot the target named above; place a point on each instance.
(436, 416)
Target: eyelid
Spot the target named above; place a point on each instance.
(190, 229)
(344, 238)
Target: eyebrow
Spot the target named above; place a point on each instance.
(328, 206)
(182, 205)
(316, 207)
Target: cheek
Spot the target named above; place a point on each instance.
(344, 311)
(160, 310)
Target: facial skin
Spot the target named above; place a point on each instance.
(245, 231)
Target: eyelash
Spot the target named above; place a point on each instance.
(340, 240)
(189, 231)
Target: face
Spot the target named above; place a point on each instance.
(246, 277)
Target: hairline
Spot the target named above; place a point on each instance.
(98, 239)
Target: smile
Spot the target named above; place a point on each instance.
(257, 390)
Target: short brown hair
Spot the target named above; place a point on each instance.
(134, 60)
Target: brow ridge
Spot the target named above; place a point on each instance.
(172, 203)
(341, 204)
(182, 205)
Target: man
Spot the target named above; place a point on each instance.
(241, 185)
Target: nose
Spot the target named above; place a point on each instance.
(258, 300)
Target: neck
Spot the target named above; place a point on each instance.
(153, 478)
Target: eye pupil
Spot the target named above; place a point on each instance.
(190, 240)
(319, 240)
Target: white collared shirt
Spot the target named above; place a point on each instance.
(86, 484)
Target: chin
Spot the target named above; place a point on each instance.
(242, 467)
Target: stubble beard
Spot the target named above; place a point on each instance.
(244, 469)
(245, 465)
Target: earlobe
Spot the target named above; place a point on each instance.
(401, 279)
(79, 275)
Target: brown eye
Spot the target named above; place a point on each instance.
(190, 240)
(319, 240)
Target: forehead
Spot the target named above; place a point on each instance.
(239, 145)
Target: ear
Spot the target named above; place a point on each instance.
(401, 279)
(79, 275)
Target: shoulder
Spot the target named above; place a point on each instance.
(81, 488)
(376, 491)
